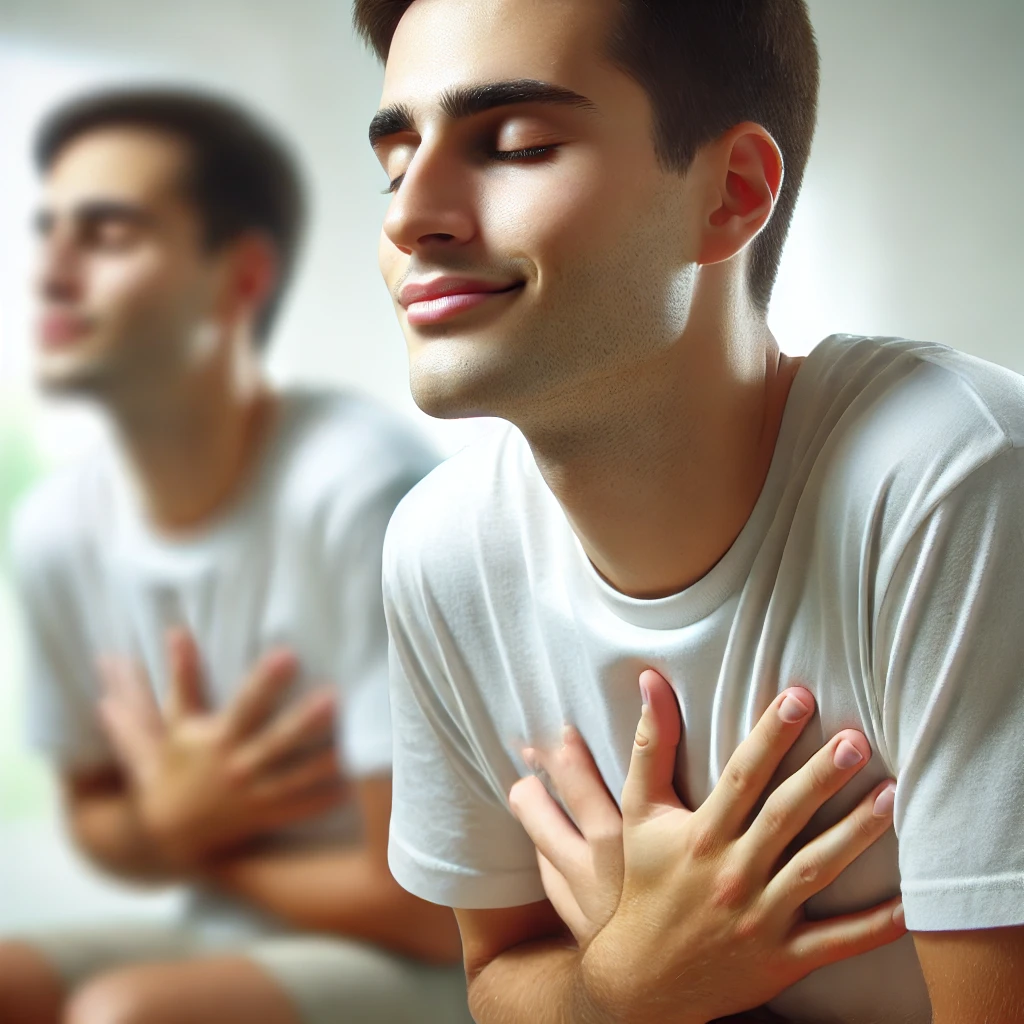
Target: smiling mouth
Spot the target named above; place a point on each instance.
(445, 307)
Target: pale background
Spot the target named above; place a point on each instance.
(910, 224)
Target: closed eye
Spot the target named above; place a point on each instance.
(504, 155)
(531, 153)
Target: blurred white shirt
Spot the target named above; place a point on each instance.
(295, 561)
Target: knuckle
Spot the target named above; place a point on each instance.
(519, 796)
(730, 890)
(810, 872)
(820, 772)
(737, 778)
(866, 825)
(774, 817)
(747, 927)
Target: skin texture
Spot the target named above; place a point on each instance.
(628, 351)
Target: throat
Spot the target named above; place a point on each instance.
(659, 504)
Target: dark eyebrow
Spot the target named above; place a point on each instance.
(470, 100)
(93, 211)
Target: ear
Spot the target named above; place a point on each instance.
(252, 276)
(746, 174)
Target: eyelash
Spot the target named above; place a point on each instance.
(504, 155)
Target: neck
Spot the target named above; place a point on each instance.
(190, 445)
(660, 484)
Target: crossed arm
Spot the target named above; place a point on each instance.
(615, 949)
(194, 791)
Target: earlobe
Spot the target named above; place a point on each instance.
(750, 173)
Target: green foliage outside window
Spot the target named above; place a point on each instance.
(23, 778)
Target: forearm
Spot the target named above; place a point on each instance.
(539, 982)
(344, 891)
(545, 983)
(107, 829)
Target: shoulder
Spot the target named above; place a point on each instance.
(342, 449)
(61, 520)
(463, 523)
(918, 411)
(898, 428)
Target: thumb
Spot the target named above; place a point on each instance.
(185, 695)
(131, 743)
(650, 781)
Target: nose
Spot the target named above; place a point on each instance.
(433, 205)
(57, 277)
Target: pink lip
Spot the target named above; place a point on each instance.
(445, 297)
(59, 330)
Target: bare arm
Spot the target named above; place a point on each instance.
(695, 919)
(974, 977)
(347, 890)
(522, 964)
(105, 824)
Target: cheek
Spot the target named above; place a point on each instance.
(120, 284)
(571, 209)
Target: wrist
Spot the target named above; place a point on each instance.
(612, 990)
(171, 843)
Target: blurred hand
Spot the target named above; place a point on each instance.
(207, 781)
(701, 910)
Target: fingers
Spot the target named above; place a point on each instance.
(578, 783)
(124, 681)
(185, 692)
(650, 780)
(795, 801)
(555, 836)
(816, 944)
(821, 861)
(255, 702)
(306, 723)
(133, 744)
(299, 780)
(755, 761)
(560, 896)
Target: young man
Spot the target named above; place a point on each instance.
(590, 203)
(249, 524)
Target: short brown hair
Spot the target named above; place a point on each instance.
(242, 177)
(707, 65)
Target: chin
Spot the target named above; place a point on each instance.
(71, 374)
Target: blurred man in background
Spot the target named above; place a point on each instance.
(208, 658)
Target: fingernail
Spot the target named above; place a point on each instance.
(898, 915)
(847, 755)
(793, 710)
(569, 734)
(884, 801)
(645, 694)
(530, 757)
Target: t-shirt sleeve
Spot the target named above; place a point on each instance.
(354, 545)
(59, 677)
(454, 840)
(951, 648)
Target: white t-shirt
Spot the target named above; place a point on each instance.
(296, 560)
(882, 567)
